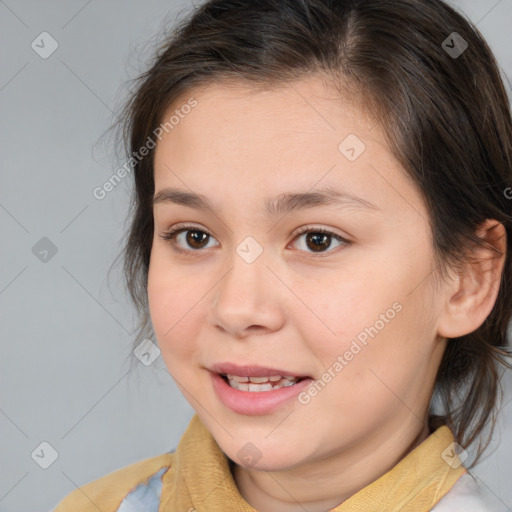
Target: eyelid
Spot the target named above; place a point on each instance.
(319, 229)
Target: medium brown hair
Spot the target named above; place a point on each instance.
(447, 119)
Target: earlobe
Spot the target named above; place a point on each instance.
(472, 294)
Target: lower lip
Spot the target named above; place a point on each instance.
(253, 403)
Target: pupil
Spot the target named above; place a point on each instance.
(192, 239)
(318, 238)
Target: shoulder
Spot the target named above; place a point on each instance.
(140, 480)
(469, 495)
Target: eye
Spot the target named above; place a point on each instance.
(195, 238)
(317, 239)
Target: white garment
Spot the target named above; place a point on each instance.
(467, 495)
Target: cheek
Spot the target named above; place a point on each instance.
(372, 368)
(173, 303)
(376, 311)
(338, 304)
(381, 353)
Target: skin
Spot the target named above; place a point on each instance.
(290, 310)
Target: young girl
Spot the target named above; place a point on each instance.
(320, 241)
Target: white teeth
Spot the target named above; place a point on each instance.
(238, 379)
(261, 387)
(260, 383)
(258, 380)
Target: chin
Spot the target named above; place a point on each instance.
(262, 456)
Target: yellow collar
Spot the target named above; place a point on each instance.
(200, 478)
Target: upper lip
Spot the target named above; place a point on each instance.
(251, 370)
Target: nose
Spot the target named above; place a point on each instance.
(248, 298)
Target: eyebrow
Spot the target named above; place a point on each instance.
(279, 205)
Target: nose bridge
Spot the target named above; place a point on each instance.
(245, 296)
(246, 273)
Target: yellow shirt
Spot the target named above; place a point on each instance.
(196, 477)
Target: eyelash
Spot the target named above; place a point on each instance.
(171, 235)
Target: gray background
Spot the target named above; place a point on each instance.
(65, 334)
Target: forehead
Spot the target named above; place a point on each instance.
(246, 124)
(243, 140)
(312, 100)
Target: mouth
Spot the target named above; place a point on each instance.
(255, 378)
(261, 394)
(260, 384)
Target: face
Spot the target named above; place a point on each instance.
(337, 291)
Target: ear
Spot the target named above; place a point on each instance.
(471, 295)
